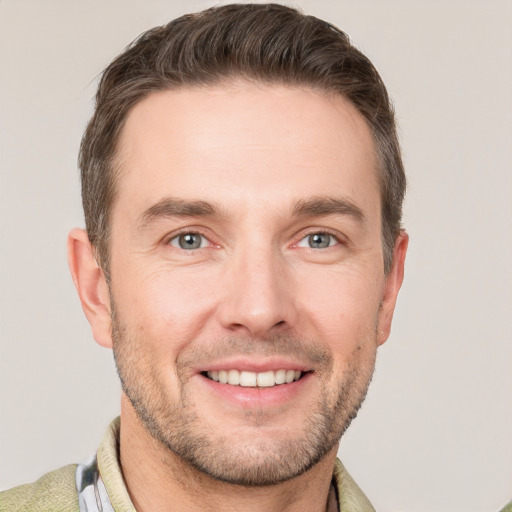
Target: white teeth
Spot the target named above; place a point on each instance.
(280, 376)
(266, 379)
(234, 377)
(253, 379)
(248, 379)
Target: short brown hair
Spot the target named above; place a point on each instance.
(267, 43)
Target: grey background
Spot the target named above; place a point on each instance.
(435, 433)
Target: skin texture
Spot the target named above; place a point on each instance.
(255, 171)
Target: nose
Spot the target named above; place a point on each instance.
(258, 298)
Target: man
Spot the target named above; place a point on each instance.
(242, 187)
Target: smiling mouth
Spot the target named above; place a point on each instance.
(252, 379)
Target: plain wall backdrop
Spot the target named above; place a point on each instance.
(435, 433)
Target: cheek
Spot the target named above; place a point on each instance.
(343, 307)
(338, 292)
(171, 306)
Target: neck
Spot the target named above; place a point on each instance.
(160, 481)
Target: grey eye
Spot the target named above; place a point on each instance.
(320, 240)
(188, 241)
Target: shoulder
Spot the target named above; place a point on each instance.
(55, 492)
(507, 507)
(350, 496)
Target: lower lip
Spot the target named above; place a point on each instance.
(249, 397)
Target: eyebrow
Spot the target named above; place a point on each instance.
(174, 207)
(312, 207)
(317, 206)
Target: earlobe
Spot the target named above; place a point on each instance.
(392, 286)
(91, 286)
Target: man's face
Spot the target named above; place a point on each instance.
(246, 246)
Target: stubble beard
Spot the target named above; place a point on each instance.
(181, 430)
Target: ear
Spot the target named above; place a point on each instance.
(392, 286)
(91, 286)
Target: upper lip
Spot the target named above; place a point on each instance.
(254, 365)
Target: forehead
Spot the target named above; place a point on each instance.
(245, 141)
